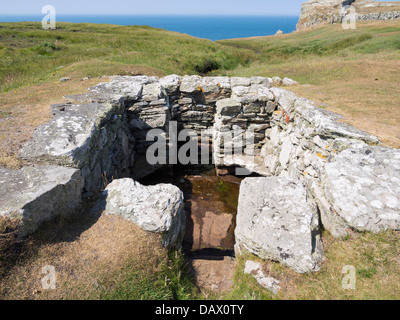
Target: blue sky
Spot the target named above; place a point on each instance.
(156, 7)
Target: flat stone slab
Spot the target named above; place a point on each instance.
(326, 123)
(117, 91)
(214, 275)
(276, 220)
(156, 209)
(65, 139)
(37, 194)
(363, 186)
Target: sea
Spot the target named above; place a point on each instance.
(207, 27)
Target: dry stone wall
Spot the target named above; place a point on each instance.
(102, 134)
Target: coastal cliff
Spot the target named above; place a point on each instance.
(315, 12)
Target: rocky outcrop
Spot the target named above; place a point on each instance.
(316, 12)
(156, 209)
(277, 220)
(33, 195)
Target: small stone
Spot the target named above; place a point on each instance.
(65, 79)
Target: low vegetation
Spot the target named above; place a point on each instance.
(375, 257)
(352, 72)
(94, 258)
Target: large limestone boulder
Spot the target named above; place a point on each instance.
(33, 195)
(278, 221)
(362, 185)
(157, 209)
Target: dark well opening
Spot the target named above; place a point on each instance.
(211, 202)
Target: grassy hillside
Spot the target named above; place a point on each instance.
(30, 55)
(353, 72)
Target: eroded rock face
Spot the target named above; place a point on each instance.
(277, 220)
(157, 209)
(316, 12)
(37, 194)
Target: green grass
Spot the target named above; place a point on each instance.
(30, 55)
(171, 282)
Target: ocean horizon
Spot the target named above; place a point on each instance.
(207, 27)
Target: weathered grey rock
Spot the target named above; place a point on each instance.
(276, 81)
(260, 80)
(279, 32)
(287, 136)
(222, 82)
(191, 84)
(37, 194)
(228, 107)
(65, 139)
(91, 137)
(285, 98)
(119, 89)
(171, 83)
(363, 186)
(289, 82)
(65, 79)
(240, 81)
(155, 92)
(254, 268)
(157, 209)
(277, 220)
(316, 12)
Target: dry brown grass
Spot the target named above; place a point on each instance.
(368, 96)
(83, 253)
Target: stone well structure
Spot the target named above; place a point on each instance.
(342, 173)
